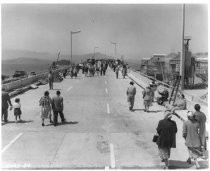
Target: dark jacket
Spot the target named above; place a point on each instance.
(5, 100)
(57, 103)
(167, 133)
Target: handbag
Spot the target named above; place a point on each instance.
(155, 138)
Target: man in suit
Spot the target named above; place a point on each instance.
(57, 106)
(5, 104)
(131, 92)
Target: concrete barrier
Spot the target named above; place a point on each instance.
(27, 81)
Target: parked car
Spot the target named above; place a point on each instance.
(33, 73)
(20, 74)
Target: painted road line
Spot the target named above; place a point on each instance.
(106, 91)
(106, 167)
(108, 111)
(112, 157)
(8, 145)
(69, 88)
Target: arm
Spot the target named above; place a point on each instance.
(159, 128)
(62, 104)
(8, 99)
(134, 90)
(184, 130)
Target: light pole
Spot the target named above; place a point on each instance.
(95, 50)
(114, 43)
(73, 32)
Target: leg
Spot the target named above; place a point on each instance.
(15, 118)
(50, 116)
(55, 117)
(62, 116)
(42, 121)
(5, 115)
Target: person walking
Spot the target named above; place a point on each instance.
(50, 78)
(124, 71)
(117, 71)
(166, 130)
(45, 103)
(153, 87)
(201, 119)
(147, 96)
(131, 92)
(57, 106)
(5, 104)
(192, 138)
(17, 109)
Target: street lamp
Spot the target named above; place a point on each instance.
(114, 43)
(95, 50)
(73, 32)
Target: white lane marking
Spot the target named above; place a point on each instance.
(112, 157)
(8, 145)
(108, 111)
(106, 167)
(69, 88)
(106, 91)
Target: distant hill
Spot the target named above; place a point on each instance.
(26, 57)
(24, 61)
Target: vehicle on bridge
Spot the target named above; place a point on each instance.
(21, 74)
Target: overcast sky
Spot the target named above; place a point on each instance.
(140, 30)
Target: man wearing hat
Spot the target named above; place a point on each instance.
(131, 92)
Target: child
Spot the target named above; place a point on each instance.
(17, 110)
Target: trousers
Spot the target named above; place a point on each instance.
(55, 117)
(131, 101)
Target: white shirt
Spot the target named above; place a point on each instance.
(16, 105)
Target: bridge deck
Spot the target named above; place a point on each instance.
(100, 131)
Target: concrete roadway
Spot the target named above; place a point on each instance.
(100, 132)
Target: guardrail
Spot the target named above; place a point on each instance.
(189, 97)
(27, 81)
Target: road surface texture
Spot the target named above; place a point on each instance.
(100, 132)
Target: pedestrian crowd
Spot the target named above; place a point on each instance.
(193, 131)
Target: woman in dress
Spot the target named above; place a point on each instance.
(45, 103)
(166, 130)
(192, 139)
(147, 96)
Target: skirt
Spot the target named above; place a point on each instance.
(164, 153)
(148, 103)
(45, 112)
(195, 152)
(17, 111)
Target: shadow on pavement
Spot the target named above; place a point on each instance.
(138, 110)
(65, 123)
(175, 164)
(155, 111)
(22, 121)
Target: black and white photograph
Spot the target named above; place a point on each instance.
(104, 86)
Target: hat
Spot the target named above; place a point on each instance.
(190, 114)
(131, 82)
(167, 114)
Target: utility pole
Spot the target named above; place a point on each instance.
(95, 50)
(182, 57)
(73, 32)
(114, 43)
